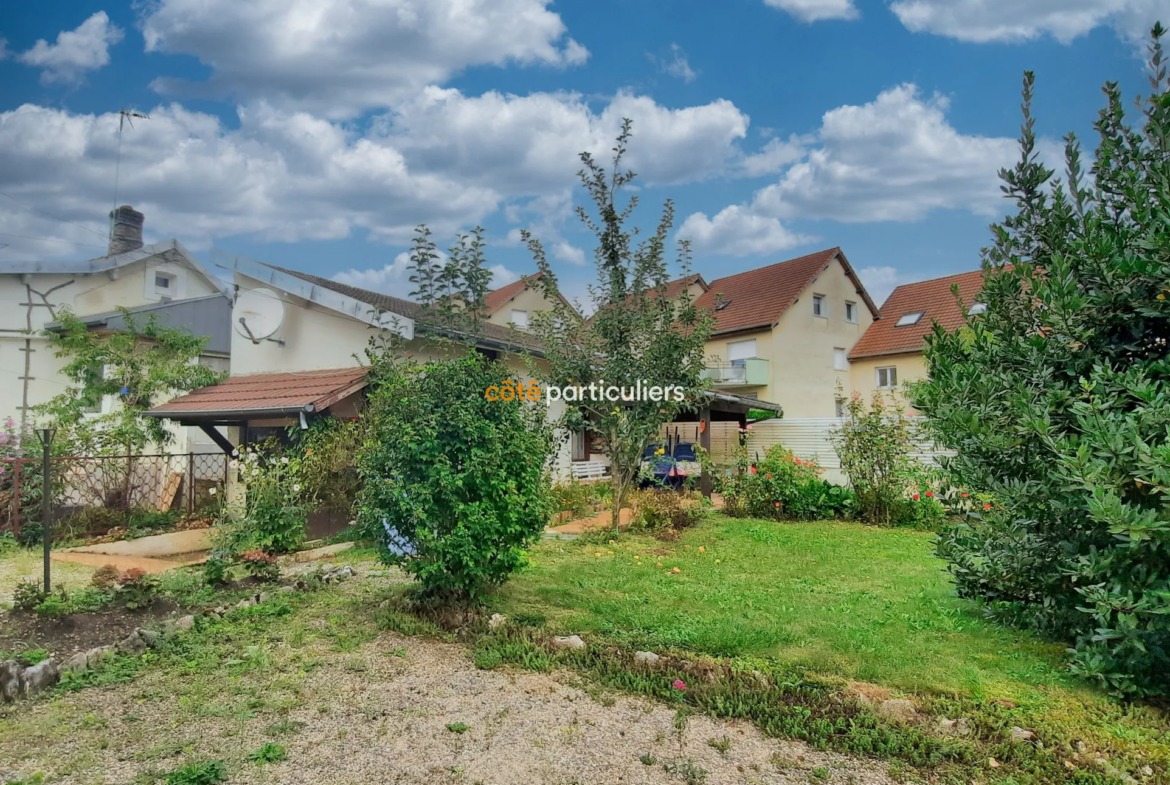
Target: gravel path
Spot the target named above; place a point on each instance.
(380, 714)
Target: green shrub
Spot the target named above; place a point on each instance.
(137, 589)
(1056, 398)
(579, 498)
(89, 600)
(456, 486)
(274, 512)
(215, 569)
(658, 510)
(28, 594)
(874, 447)
(54, 606)
(783, 487)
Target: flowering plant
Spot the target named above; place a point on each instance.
(274, 510)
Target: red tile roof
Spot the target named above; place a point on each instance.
(494, 299)
(268, 393)
(758, 298)
(677, 286)
(933, 298)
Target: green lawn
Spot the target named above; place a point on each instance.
(860, 602)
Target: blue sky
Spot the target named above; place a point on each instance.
(316, 133)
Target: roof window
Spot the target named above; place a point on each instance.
(909, 319)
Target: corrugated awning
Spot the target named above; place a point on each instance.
(263, 395)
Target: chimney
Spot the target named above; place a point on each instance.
(127, 230)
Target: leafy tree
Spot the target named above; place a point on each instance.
(142, 366)
(452, 289)
(1057, 399)
(637, 332)
(455, 486)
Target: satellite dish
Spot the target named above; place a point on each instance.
(258, 314)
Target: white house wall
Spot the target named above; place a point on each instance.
(316, 339)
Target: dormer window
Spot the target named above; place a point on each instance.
(165, 285)
(977, 308)
(909, 319)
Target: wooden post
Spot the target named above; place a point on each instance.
(46, 437)
(705, 484)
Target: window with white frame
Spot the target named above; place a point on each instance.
(851, 312)
(820, 307)
(739, 351)
(887, 377)
(977, 308)
(520, 319)
(840, 363)
(165, 285)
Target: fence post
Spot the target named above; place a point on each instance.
(190, 483)
(16, 497)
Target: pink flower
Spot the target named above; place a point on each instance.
(679, 685)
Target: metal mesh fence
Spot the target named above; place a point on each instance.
(124, 484)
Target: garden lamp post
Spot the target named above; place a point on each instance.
(46, 436)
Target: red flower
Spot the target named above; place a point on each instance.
(679, 685)
(987, 506)
(753, 470)
(915, 497)
(965, 495)
(777, 504)
(929, 494)
(768, 476)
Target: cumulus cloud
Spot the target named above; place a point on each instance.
(535, 139)
(894, 159)
(338, 58)
(394, 278)
(738, 231)
(879, 282)
(76, 51)
(774, 157)
(677, 65)
(1009, 20)
(816, 10)
(444, 159)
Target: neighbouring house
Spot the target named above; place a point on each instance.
(310, 361)
(298, 353)
(783, 333)
(890, 352)
(162, 280)
(516, 303)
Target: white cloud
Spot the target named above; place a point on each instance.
(738, 231)
(444, 159)
(391, 279)
(816, 10)
(894, 159)
(879, 282)
(535, 139)
(1010, 20)
(85, 49)
(676, 65)
(774, 157)
(502, 276)
(340, 57)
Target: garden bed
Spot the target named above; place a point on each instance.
(22, 631)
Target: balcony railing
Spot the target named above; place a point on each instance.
(738, 373)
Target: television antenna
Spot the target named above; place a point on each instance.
(124, 116)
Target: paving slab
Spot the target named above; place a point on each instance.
(152, 566)
(156, 546)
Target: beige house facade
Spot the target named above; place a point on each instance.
(890, 354)
(783, 333)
